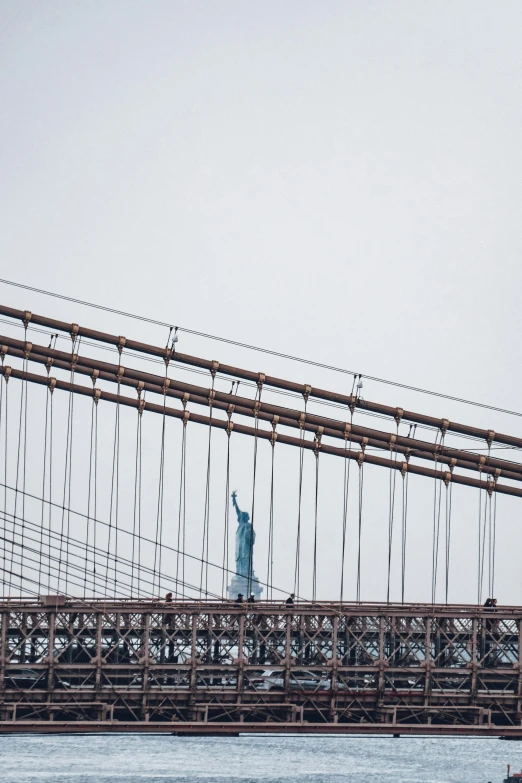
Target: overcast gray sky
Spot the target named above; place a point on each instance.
(336, 180)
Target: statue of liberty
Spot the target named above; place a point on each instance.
(245, 540)
(244, 582)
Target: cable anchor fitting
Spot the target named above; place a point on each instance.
(260, 381)
(307, 392)
(174, 341)
(317, 440)
(121, 343)
(74, 331)
(273, 437)
(28, 347)
(27, 317)
(491, 437)
(404, 468)
(399, 413)
(214, 368)
(51, 384)
(96, 394)
(447, 477)
(168, 351)
(7, 373)
(444, 424)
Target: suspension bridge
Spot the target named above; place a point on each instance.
(119, 460)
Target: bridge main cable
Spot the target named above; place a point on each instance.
(170, 354)
(245, 406)
(227, 425)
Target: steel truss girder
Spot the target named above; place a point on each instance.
(437, 668)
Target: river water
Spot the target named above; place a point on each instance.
(248, 759)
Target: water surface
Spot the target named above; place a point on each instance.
(248, 759)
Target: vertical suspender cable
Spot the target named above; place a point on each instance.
(181, 502)
(254, 476)
(436, 531)
(490, 536)
(25, 383)
(206, 506)
(89, 484)
(493, 557)
(490, 545)
(135, 509)
(50, 510)
(2, 383)
(436, 545)
(161, 495)
(479, 575)
(117, 499)
(159, 513)
(67, 472)
(391, 513)
(114, 479)
(206, 512)
(6, 420)
(95, 491)
(73, 367)
(270, 564)
(299, 508)
(47, 395)
(361, 487)
(449, 491)
(483, 547)
(346, 489)
(20, 427)
(227, 514)
(404, 531)
(481, 541)
(184, 517)
(314, 577)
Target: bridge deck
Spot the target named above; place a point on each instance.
(219, 667)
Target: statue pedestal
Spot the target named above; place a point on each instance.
(241, 584)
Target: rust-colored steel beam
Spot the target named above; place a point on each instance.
(205, 664)
(316, 445)
(234, 729)
(244, 406)
(308, 391)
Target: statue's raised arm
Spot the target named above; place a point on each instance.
(234, 501)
